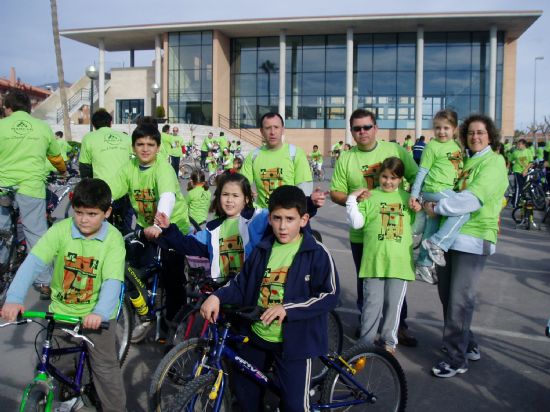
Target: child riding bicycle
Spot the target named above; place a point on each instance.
(88, 255)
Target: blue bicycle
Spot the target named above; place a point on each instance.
(362, 378)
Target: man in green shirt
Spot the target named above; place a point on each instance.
(358, 168)
(521, 159)
(207, 145)
(102, 153)
(276, 163)
(25, 143)
(175, 149)
(165, 143)
(63, 146)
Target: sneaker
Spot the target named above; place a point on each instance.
(444, 370)
(390, 349)
(426, 274)
(405, 338)
(437, 255)
(44, 290)
(473, 353)
(140, 331)
(71, 405)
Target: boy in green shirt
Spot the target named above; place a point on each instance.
(521, 159)
(293, 278)
(88, 255)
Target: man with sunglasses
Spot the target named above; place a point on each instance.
(358, 168)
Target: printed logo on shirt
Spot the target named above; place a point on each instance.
(462, 183)
(370, 173)
(78, 278)
(456, 160)
(231, 254)
(273, 286)
(112, 139)
(271, 178)
(22, 128)
(392, 222)
(146, 204)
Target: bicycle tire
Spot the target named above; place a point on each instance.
(539, 198)
(195, 395)
(36, 400)
(390, 391)
(185, 171)
(174, 371)
(212, 179)
(335, 343)
(125, 326)
(518, 215)
(190, 324)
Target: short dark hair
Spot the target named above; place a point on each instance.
(92, 193)
(271, 115)
(101, 118)
(146, 130)
(288, 197)
(18, 101)
(59, 134)
(230, 177)
(492, 131)
(359, 114)
(147, 120)
(394, 165)
(165, 128)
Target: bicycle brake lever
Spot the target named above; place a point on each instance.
(17, 322)
(76, 335)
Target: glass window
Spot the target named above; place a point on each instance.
(272, 42)
(245, 84)
(434, 58)
(363, 83)
(385, 58)
(384, 83)
(313, 83)
(336, 59)
(336, 83)
(434, 83)
(190, 81)
(459, 58)
(459, 38)
(406, 83)
(336, 40)
(434, 39)
(314, 60)
(408, 39)
(269, 56)
(246, 61)
(206, 57)
(293, 57)
(317, 42)
(406, 59)
(363, 58)
(460, 104)
(173, 39)
(268, 84)
(187, 39)
(458, 82)
(190, 57)
(207, 38)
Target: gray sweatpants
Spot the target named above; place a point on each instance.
(457, 287)
(382, 303)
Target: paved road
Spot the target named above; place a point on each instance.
(514, 305)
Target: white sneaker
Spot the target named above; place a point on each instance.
(141, 330)
(426, 274)
(437, 255)
(71, 405)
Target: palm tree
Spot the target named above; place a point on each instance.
(269, 67)
(60, 76)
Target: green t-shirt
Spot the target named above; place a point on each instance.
(211, 163)
(540, 153)
(64, 147)
(80, 266)
(272, 289)
(388, 251)
(408, 145)
(107, 151)
(486, 177)
(274, 168)
(444, 162)
(24, 144)
(231, 248)
(207, 143)
(336, 146)
(198, 201)
(520, 160)
(228, 161)
(222, 142)
(316, 156)
(145, 185)
(165, 146)
(176, 144)
(357, 169)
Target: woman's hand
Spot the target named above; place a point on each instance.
(429, 209)
(361, 194)
(414, 204)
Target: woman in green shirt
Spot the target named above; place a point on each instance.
(480, 189)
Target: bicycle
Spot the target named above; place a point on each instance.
(317, 171)
(177, 367)
(523, 215)
(39, 394)
(13, 241)
(382, 386)
(532, 190)
(60, 188)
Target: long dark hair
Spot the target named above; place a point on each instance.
(492, 131)
(223, 179)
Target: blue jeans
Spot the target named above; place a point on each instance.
(443, 236)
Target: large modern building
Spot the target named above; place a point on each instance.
(315, 71)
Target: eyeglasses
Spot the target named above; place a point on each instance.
(477, 132)
(365, 127)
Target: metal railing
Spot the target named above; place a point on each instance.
(78, 99)
(244, 134)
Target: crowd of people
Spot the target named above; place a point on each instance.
(259, 242)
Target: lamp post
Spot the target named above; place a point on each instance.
(155, 88)
(535, 103)
(92, 74)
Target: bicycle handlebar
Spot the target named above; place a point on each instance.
(57, 317)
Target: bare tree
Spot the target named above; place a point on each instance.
(60, 76)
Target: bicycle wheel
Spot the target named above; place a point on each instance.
(212, 179)
(174, 371)
(190, 324)
(539, 198)
(36, 400)
(378, 372)
(185, 171)
(125, 325)
(518, 214)
(335, 342)
(195, 396)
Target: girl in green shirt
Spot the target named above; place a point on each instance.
(198, 198)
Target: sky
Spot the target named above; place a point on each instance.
(27, 40)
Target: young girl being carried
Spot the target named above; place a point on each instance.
(440, 166)
(387, 262)
(198, 199)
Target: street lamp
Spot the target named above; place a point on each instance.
(535, 103)
(92, 74)
(155, 88)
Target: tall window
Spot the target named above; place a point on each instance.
(190, 77)
(129, 110)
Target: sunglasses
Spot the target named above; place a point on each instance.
(366, 128)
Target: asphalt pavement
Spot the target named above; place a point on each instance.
(513, 308)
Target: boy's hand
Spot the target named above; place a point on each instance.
(10, 311)
(151, 233)
(361, 194)
(162, 220)
(272, 313)
(211, 308)
(92, 321)
(318, 197)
